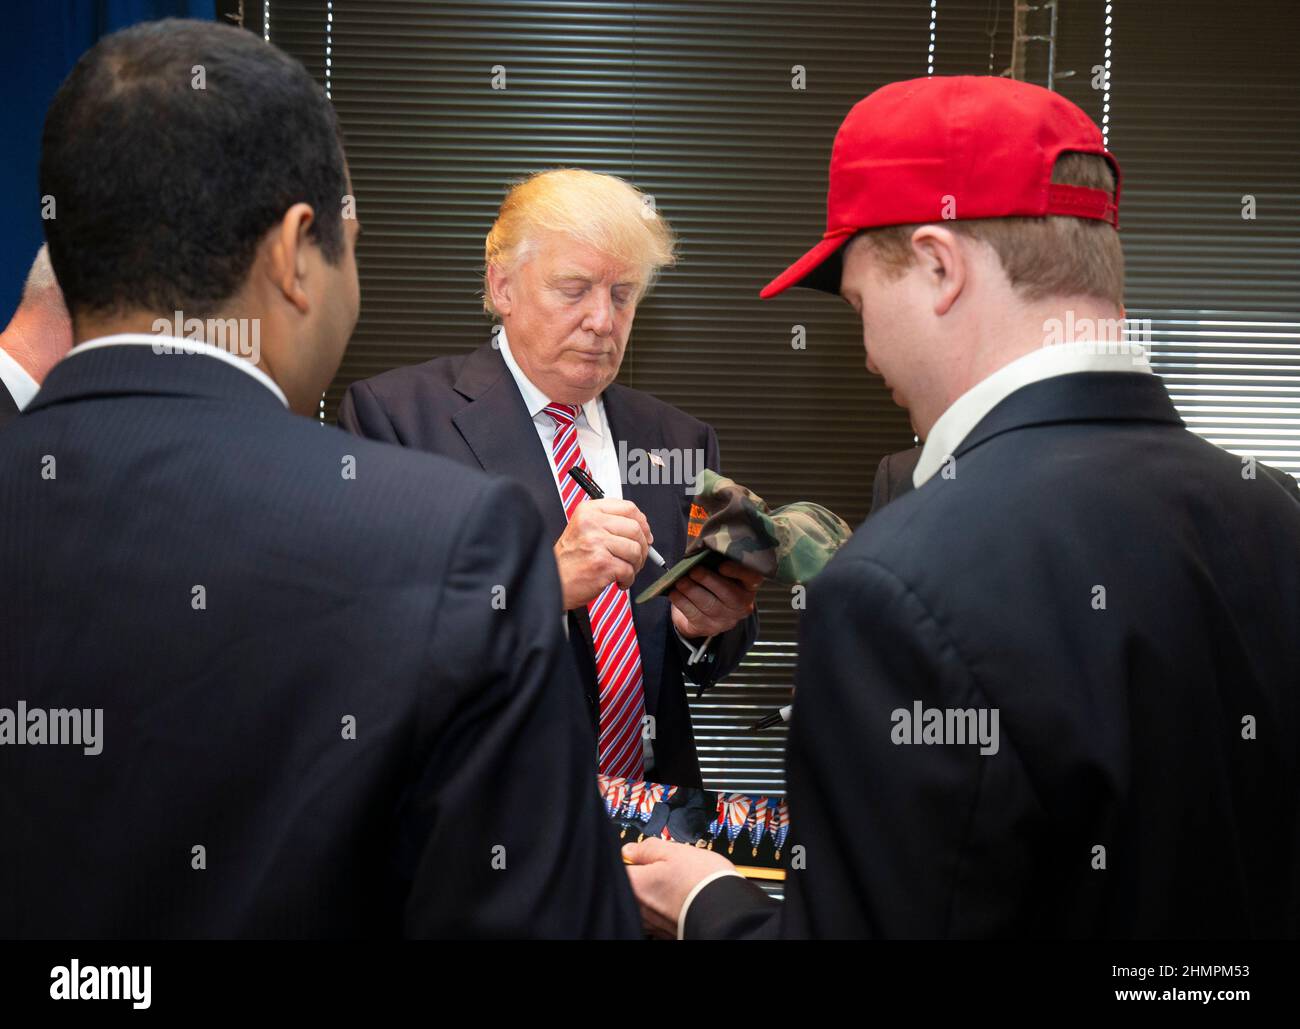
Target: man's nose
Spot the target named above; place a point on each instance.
(600, 315)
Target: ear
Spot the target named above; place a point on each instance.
(499, 289)
(944, 261)
(287, 255)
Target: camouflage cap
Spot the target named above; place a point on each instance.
(789, 545)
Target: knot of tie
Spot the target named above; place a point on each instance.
(562, 414)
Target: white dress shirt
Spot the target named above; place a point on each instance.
(21, 386)
(968, 410)
(594, 437)
(185, 347)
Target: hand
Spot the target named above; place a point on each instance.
(706, 603)
(605, 541)
(662, 875)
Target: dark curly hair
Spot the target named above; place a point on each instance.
(162, 190)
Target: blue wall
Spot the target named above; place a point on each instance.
(39, 43)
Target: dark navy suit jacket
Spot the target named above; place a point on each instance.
(1146, 780)
(893, 477)
(469, 408)
(199, 567)
(8, 406)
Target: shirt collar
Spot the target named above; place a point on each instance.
(534, 398)
(968, 410)
(22, 387)
(189, 346)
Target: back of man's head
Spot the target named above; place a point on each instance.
(171, 151)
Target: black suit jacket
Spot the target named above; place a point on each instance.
(464, 806)
(469, 408)
(1121, 727)
(8, 406)
(893, 477)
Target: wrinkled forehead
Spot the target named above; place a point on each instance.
(558, 256)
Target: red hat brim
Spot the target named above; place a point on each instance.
(818, 269)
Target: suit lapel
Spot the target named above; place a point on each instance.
(496, 427)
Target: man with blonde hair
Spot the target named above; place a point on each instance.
(36, 338)
(1050, 690)
(570, 257)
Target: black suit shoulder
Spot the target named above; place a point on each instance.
(380, 513)
(399, 383)
(438, 480)
(1045, 486)
(398, 387)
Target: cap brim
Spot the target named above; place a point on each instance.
(818, 269)
(665, 582)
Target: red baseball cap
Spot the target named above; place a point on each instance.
(949, 147)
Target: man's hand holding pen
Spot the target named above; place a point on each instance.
(608, 541)
(605, 541)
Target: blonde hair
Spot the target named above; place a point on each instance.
(603, 211)
(1043, 257)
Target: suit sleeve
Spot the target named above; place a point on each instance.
(728, 649)
(505, 832)
(361, 414)
(899, 839)
(732, 908)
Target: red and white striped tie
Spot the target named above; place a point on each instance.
(618, 657)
